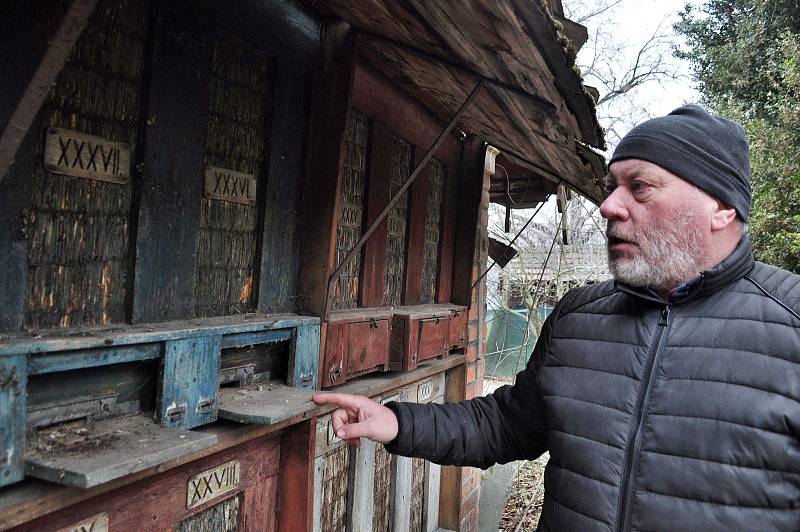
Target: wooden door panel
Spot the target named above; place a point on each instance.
(368, 345)
(433, 338)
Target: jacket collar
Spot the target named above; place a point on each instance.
(734, 267)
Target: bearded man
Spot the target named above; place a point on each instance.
(668, 398)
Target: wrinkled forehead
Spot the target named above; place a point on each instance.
(626, 169)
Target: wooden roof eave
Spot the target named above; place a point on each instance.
(507, 117)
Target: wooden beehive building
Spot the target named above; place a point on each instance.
(211, 210)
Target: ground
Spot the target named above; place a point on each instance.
(524, 505)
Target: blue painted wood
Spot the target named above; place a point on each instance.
(304, 364)
(90, 358)
(253, 338)
(56, 340)
(188, 382)
(13, 384)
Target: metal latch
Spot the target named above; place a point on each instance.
(205, 407)
(176, 413)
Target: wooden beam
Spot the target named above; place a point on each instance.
(53, 60)
(295, 503)
(330, 103)
(450, 193)
(282, 192)
(415, 238)
(357, 247)
(168, 198)
(373, 278)
(469, 200)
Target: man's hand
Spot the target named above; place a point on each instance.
(359, 417)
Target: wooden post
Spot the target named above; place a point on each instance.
(296, 477)
(360, 500)
(280, 235)
(373, 273)
(450, 487)
(330, 103)
(168, 198)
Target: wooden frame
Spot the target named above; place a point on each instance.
(187, 396)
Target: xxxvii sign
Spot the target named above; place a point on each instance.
(78, 154)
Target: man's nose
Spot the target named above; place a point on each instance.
(613, 208)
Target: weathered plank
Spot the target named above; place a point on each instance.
(362, 480)
(174, 145)
(449, 220)
(295, 498)
(50, 363)
(269, 405)
(112, 449)
(13, 398)
(280, 240)
(160, 502)
(259, 337)
(378, 190)
(304, 360)
(188, 382)
(330, 102)
(415, 244)
(380, 99)
(93, 337)
(469, 200)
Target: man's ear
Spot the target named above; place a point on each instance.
(722, 217)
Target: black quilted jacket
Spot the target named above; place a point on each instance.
(683, 416)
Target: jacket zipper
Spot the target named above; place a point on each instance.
(634, 436)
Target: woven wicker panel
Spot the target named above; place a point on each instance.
(397, 224)
(334, 490)
(351, 209)
(222, 517)
(433, 228)
(417, 494)
(237, 136)
(78, 228)
(382, 502)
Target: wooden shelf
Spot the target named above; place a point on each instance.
(109, 450)
(94, 337)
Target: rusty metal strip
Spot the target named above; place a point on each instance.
(417, 171)
(52, 62)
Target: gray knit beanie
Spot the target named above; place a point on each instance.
(704, 149)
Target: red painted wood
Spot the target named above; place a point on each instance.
(369, 346)
(256, 510)
(334, 363)
(469, 201)
(380, 160)
(159, 502)
(448, 235)
(434, 338)
(458, 330)
(381, 100)
(296, 478)
(415, 238)
(330, 102)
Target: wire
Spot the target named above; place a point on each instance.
(510, 244)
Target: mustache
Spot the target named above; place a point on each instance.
(615, 234)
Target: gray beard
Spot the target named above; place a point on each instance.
(668, 254)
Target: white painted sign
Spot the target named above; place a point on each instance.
(229, 185)
(77, 154)
(212, 483)
(96, 523)
(424, 391)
